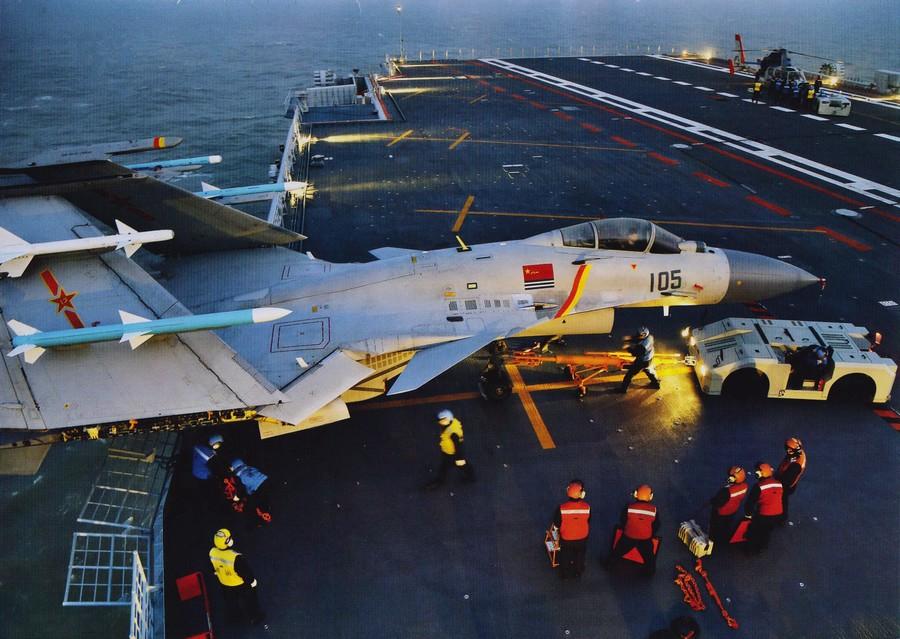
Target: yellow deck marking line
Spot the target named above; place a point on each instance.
(537, 422)
(478, 99)
(552, 145)
(414, 94)
(565, 216)
(462, 214)
(459, 140)
(400, 137)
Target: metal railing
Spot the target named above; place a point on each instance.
(141, 608)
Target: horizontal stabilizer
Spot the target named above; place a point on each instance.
(15, 266)
(430, 362)
(316, 387)
(333, 411)
(387, 252)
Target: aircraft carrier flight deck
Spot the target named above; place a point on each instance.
(495, 150)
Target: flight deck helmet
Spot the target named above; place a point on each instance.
(643, 493)
(764, 470)
(216, 441)
(736, 475)
(445, 417)
(575, 489)
(236, 465)
(793, 446)
(643, 332)
(222, 539)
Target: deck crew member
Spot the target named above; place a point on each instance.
(571, 522)
(639, 522)
(641, 346)
(810, 96)
(757, 87)
(236, 578)
(451, 444)
(790, 470)
(763, 508)
(207, 467)
(254, 488)
(725, 503)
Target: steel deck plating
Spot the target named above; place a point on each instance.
(497, 150)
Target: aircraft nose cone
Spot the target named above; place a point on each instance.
(754, 277)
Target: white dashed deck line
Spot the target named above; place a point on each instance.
(828, 174)
(643, 73)
(682, 83)
(626, 69)
(817, 118)
(704, 89)
(661, 77)
(887, 136)
(781, 108)
(613, 66)
(727, 95)
(849, 126)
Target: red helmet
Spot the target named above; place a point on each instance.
(793, 446)
(736, 475)
(643, 493)
(764, 470)
(575, 489)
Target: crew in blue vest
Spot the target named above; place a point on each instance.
(208, 469)
(641, 346)
(254, 488)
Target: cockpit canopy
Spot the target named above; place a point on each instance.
(615, 234)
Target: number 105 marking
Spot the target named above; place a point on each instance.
(665, 280)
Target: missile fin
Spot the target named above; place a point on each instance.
(21, 328)
(131, 318)
(10, 239)
(32, 352)
(206, 186)
(16, 266)
(131, 249)
(135, 339)
(123, 228)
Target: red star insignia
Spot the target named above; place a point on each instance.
(63, 300)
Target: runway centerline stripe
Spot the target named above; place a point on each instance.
(783, 212)
(400, 137)
(458, 140)
(462, 214)
(602, 100)
(534, 416)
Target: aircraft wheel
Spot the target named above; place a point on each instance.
(495, 385)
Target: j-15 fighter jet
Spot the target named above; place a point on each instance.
(351, 328)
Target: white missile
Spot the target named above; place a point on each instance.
(16, 254)
(244, 194)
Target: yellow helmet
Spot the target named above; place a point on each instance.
(222, 539)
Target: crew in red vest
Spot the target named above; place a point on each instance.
(572, 520)
(639, 523)
(790, 470)
(725, 503)
(763, 508)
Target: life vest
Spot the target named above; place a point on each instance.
(447, 445)
(785, 464)
(575, 516)
(810, 93)
(251, 477)
(736, 494)
(639, 523)
(757, 86)
(770, 491)
(223, 565)
(202, 454)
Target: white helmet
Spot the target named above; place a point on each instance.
(643, 332)
(444, 417)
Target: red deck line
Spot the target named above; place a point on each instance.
(681, 136)
(563, 116)
(662, 158)
(887, 413)
(516, 96)
(623, 141)
(890, 216)
(499, 89)
(840, 237)
(783, 212)
(590, 127)
(538, 105)
(711, 179)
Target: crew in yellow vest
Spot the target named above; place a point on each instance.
(236, 578)
(451, 442)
